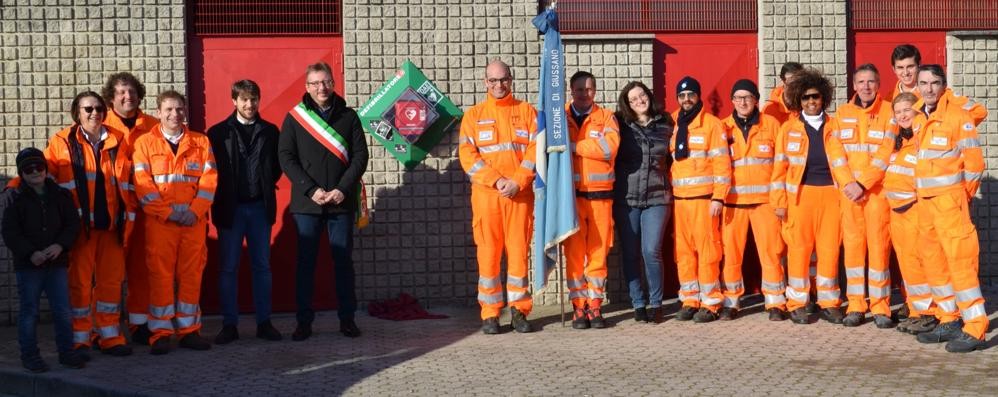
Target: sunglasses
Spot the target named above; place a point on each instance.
(91, 109)
(808, 97)
(33, 168)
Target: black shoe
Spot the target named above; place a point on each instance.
(853, 319)
(580, 319)
(902, 313)
(641, 315)
(194, 341)
(121, 350)
(34, 364)
(302, 331)
(266, 331)
(84, 353)
(775, 314)
(655, 316)
(704, 316)
(228, 334)
(942, 333)
(832, 315)
(490, 326)
(686, 313)
(349, 328)
(883, 321)
(964, 343)
(800, 316)
(520, 323)
(141, 335)
(72, 360)
(811, 307)
(922, 324)
(160, 347)
(727, 314)
(596, 318)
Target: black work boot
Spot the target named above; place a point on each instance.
(942, 333)
(519, 322)
(580, 318)
(490, 326)
(704, 315)
(266, 331)
(228, 334)
(775, 314)
(728, 314)
(686, 313)
(832, 315)
(812, 307)
(121, 350)
(595, 315)
(194, 341)
(964, 343)
(883, 321)
(853, 319)
(84, 352)
(800, 316)
(160, 347)
(141, 335)
(641, 315)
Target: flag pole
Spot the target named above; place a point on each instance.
(561, 290)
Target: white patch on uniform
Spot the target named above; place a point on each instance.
(697, 140)
(939, 140)
(793, 146)
(911, 158)
(595, 134)
(485, 135)
(849, 120)
(795, 134)
(486, 121)
(764, 149)
(522, 134)
(876, 134)
(968, 126)
(846, 133)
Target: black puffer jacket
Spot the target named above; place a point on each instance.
(642, 164)
(309, 165)
(32, 223)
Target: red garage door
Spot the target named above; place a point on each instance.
(876, 48)
(278, 66)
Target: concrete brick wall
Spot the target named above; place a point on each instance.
(51, 50)
(972, 69)
(812, 32)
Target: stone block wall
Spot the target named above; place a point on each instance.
(53, 49)
(972, 69)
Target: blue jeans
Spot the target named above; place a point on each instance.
(339, 230)
(250, 222)
(642, 228)
(30, 284)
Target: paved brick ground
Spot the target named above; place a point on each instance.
(750, 356)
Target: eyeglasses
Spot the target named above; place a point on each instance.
(494, 81)
(642, 97)
(742, 98)
(320, 83)
(91, 109)
(33, 168)
(808, 97)
(684, 95)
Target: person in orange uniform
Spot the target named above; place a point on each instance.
(125, 93)
(595, 139)
(811, 165)
(905, 60)
(497, 152)
(776, 105)
(865, 123)
(86, 159)
(899, 188)
(175, 180)
(947, 176)
(701, 178)
(751, 138)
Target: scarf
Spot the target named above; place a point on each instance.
(683, 131)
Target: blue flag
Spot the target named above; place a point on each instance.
(554, 193)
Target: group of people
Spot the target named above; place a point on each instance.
(882, 172)
(122, 197)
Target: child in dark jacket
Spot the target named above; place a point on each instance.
(39, 226)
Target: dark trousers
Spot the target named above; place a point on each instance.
(250, 223)
(54, 281)
(339, 228)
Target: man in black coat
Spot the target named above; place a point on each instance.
(323, 151)
(245, 206)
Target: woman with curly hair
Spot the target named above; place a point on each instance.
(811, 166)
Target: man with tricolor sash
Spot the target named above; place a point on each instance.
(323, 152)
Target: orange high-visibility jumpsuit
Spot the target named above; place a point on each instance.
(899, 188)
(594, 150)
(776, 108)
(697, 180)
(865, 230)
(813, 214)
(497, 141)
(950, 100)
(97, 260)
(947, 175)
(898, 90)
(168, 182)
(748, 203)
(137, 275)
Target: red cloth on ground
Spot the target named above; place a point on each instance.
(405, 307)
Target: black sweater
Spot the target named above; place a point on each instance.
(32, 223)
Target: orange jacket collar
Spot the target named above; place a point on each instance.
(507, 100)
